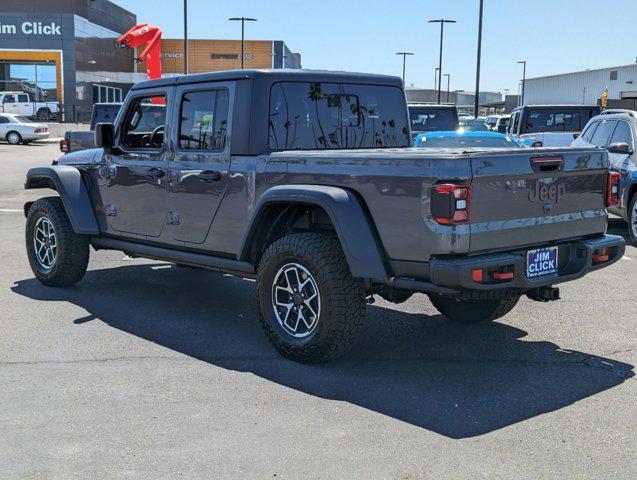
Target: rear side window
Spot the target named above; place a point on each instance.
(204, 120)
(602, 134)
(321, 116)
(514, 123)
(23, 98)
(587, 134)
(431, 119)
(622, 134)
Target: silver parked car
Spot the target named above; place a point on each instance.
(17, 129)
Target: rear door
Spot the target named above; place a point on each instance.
(198, 174)
(536, 197)
(137, 175)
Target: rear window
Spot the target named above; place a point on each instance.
(466, 142)
(322, 116)
(432, 119)
(557, 119)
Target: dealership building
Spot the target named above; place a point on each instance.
(63, 51)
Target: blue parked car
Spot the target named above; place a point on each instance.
(465, 139)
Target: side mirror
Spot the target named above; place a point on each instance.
(104, 135)
(621, 148)
(502, 128)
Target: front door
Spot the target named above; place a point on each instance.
(198, 174)
(138, 171)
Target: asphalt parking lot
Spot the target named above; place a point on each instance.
(147, 371)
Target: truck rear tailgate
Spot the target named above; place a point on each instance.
(533, 197)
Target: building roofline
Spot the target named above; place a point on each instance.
(583, 71)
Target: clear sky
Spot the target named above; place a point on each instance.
(362, 35)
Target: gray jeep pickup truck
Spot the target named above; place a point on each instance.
(307, 182)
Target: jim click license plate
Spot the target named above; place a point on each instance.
(542, 261)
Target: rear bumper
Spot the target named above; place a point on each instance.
(575, 259)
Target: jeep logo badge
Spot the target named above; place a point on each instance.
(543, 192)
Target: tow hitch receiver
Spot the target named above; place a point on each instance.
(544, 294)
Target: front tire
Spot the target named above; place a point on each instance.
(470, 311)
(632, 220)
(57, 255)
(13, 137)
(310, 306)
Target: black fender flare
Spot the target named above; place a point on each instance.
(355, 230)
(67, 181)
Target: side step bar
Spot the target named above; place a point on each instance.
(228, 265)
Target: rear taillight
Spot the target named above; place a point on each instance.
(40, 130)
(64, 146)
(613, 197)
(451, 203)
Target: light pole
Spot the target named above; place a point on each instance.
(476, 105)
(442, 22)
(436, 78)
(523, 62)
(448, 75)
(404, 54)
(243, 20)
(186, 37)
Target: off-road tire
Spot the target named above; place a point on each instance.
(71, 259)
(342, 297)
(480, 310)
(632, 220)
(13, 137)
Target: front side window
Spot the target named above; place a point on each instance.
(622, 134)
(587, 134)
(320, 116)
(145, 122)
(204, 120)
(9, 99)
(602, 133)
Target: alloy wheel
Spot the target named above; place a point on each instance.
(13, 138)
(296, 300)
(45, 243)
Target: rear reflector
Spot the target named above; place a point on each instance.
(613, 196)
(600, 256)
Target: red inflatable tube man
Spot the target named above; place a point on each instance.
(150, 36)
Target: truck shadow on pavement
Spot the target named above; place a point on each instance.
(458, 381)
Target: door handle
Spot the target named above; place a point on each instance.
(155, 173)
(209, 176)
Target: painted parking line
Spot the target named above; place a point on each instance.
(10, 210)
(626, 258)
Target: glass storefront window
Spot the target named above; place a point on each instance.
(35, 78)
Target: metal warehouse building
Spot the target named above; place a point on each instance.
(586, 87)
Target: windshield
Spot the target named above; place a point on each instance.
(463, 141)
(432, 119)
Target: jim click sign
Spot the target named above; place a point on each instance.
(30, 28)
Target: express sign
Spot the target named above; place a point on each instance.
(31, 28)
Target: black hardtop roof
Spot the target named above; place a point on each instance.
(273, 75)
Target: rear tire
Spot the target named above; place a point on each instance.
(57, 255)
(471, 311)
(632, 220)
(13, 137)
(310, 306)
